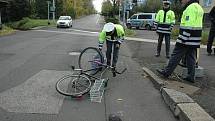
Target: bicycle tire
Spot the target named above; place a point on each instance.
(67, 84)
(87, 57)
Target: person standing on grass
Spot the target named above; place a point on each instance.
(212, 31)
(188, 40)
(165, 20)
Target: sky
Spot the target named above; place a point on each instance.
(98, 5)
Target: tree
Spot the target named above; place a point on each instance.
(107, 8)
(16, 10)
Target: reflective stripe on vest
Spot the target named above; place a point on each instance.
(191, 25)
(165, 27)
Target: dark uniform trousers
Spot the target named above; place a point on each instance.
(211, 38)
(167, 43)
(112, 48)
(178, 53)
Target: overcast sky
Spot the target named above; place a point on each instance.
(98, 5)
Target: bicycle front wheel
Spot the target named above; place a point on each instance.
(90, 60)
(73, 85)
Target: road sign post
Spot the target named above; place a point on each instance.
(53, 12)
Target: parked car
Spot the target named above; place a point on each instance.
(64, 21)
(141, 20)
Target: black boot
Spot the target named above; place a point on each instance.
(162, 73)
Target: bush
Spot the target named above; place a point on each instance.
(26, 23)
(23, 22)
(6, 30)
(113, 20)
(19, 24)
(129, 32)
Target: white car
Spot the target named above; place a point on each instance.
(64, 21)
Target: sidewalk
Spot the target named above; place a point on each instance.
(144, 50)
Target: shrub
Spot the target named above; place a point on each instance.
(113, 20)
(19, 24)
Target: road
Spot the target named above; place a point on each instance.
(32, 61)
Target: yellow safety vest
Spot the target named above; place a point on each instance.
(120, 35)
(191, 25)
(165, 23)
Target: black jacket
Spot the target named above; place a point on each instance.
(212, 15)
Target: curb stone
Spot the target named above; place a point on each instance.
(182, 106)
(192, 112)
(158, 82)
(173, 97)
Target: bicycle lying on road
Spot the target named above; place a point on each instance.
(91, 61)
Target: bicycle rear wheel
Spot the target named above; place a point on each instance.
(73, 85)
(90, 60)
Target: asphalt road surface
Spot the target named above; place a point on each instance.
(32, 61)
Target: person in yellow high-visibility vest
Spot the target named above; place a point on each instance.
(165, 20)
(114, 35)
(188, 40)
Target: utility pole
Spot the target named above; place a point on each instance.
(0, 20)
(119, 12)
(124, 11)
(53, 12)
(120, 5)
(48, 2)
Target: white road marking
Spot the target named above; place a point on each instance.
(36, 95)
(75, 33)
(98, 20)
(89, 33)
(83, 31)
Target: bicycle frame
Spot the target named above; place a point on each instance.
(100, 65)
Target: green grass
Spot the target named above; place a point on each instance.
(38, 22)
(129, 32)
(6, 31)
(27, 23)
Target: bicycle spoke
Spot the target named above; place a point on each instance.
(90, 59)
(73, 85)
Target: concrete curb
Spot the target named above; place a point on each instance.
(182, 106)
